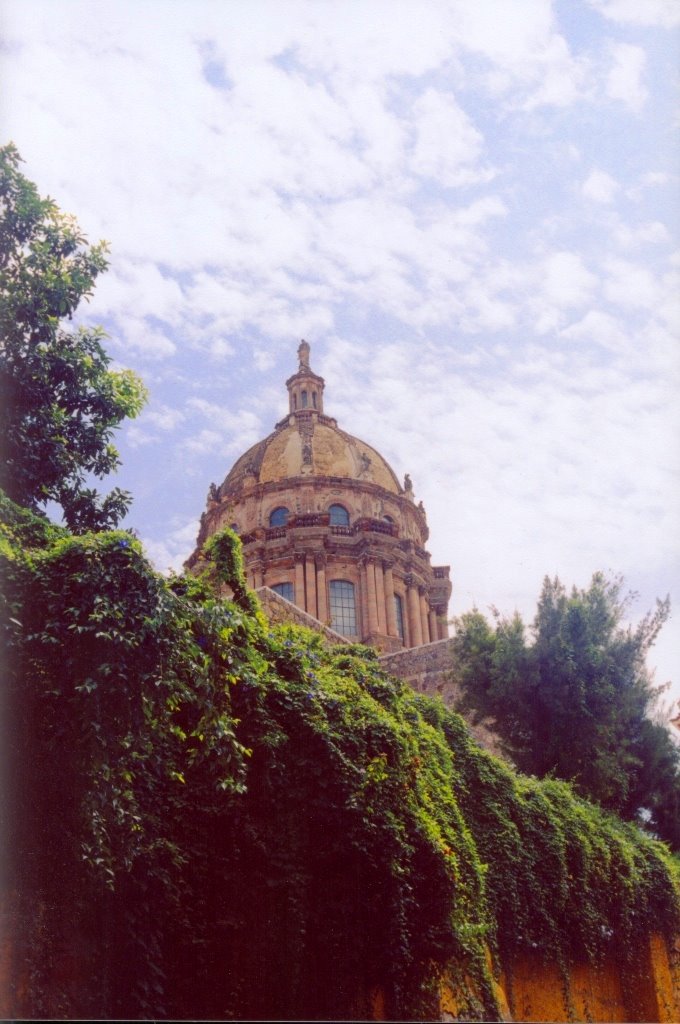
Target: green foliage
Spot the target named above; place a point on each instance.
(575, 702)
(562, 877)
(60, 401)
(247, 824)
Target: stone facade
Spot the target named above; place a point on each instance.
(325, 522)
(278, 609)
(429, 669)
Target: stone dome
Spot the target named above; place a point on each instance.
(334, 453)
(325, 523)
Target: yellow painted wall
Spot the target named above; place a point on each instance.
(647, 990)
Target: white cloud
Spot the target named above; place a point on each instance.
(138, 336)
(140, 285)
(624, 80)
(163, 417)
(528, 59)
(566, 280)
(174, 549)
(631, 236)
(600, 187)
(632, 285)
(447, 145)
(664, 13)
(655, 178)
(598, 328)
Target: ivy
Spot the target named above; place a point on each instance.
(248, 824)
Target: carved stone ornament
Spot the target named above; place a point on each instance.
(303, 354)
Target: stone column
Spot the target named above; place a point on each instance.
(389, 600)
(363, 601)
(322, 588)
(380, 597)
(370, 597)
(300, 580)
(310, 576)
(257, 573)
(443, 623)
(434, 631)
(424, 623)
(415, 628)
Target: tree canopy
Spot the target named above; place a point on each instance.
(573, 697)
(60, 401)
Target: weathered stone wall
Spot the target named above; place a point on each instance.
(429, 669)
(277, 609)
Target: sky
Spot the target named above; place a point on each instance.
(470, 210)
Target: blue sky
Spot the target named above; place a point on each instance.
(470, 211)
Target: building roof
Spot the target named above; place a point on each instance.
(308, 443)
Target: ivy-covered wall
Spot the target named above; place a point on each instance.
(210, 816)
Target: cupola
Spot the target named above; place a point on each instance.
(305, 388)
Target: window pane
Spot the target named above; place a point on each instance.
(343, 611)
(279, 517)
(285, 590)
(339, 515)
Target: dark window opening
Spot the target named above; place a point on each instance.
(339, 515)
(285, 590)
(279, 517)
(304, 399)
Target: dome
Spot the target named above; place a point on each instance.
(326, 526)
(323, 451)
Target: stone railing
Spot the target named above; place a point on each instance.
(278, 609)
(367, 525)
(309, 519)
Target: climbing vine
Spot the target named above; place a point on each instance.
(241, 822)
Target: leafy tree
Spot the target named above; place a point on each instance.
(574, 700)
(60, 401)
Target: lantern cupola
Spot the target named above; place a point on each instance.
(305, 388)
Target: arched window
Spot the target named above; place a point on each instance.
(279, 517)
(399, 613)
(314, 399)
(339, 515)
(304, 399)
(285, 590)
(343, 607)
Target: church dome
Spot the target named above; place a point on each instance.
(325, 523)
(308, 443)
(328, 451)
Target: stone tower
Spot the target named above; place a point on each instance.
(326, 524)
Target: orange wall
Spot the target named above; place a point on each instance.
(647, 990)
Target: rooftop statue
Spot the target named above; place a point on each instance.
(303, 355)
